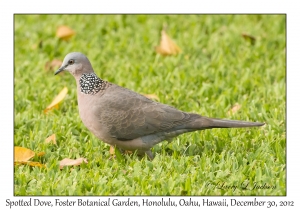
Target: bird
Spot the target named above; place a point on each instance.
(128, 120)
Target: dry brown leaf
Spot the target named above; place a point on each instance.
(234, 109)
(152, 96)
(23, 154)
(53, 65)
(57, 99)
(51, 139)
(167, 46)
(71, 162)
(249, 37)
(64, 32)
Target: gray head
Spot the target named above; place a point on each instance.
(76, 63)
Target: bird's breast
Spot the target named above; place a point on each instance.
(89, 113)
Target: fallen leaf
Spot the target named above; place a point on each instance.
(234, 109)
(53, 65)
(40, 154)
(167, 46)
(30, 163)
(71, 162)
(57, 99)
(152, 96)
(64, 32)
(36, 164)
(51, 139)
(23, 154)
(249, 37)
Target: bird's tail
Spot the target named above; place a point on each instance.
(207, 122)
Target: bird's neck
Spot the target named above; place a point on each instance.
(91, 84)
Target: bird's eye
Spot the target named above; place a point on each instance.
(71, 61)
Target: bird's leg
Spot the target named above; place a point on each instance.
(112, 152)
(149, 154)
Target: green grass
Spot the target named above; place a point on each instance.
(216, 69)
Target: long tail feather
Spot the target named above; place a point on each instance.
(222, 123)
(207, 122)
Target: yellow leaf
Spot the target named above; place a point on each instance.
(71, 162)
(57, 99)
(152, 96)
(38, 164)
(234, 109)
(51, 139)
(30, 163)
(23, 154)
(40, 154)
(64, 32)
(167, 46)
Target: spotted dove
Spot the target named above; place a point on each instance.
(128, 120)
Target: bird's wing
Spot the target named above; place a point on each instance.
(129, 115)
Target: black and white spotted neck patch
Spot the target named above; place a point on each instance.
(91, 84)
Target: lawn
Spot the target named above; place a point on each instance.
(217, 68)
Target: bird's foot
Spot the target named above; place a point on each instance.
(112, 152)
(149, 155)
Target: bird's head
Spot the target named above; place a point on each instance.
(76, 63)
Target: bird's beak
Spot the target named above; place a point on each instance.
(60, 69)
